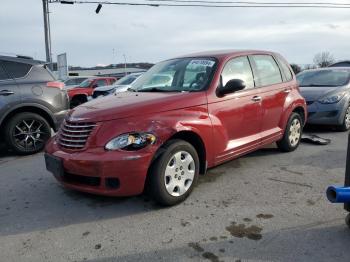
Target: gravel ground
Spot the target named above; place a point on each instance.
(266, 206)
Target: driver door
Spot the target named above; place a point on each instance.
(236, 117)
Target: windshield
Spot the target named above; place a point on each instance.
(85, 83)
(126, 80)
(324, 78)
(176, 75)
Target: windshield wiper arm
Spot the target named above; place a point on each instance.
(154, 89)
(131, 89)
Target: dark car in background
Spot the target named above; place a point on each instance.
(32, 103)
(327, 94)
(121, 85)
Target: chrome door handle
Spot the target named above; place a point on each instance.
(287, 90)
(256, 98)
(6, 93)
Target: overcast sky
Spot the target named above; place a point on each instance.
(149, 34)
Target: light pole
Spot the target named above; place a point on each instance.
(124, 64)
(47, 32)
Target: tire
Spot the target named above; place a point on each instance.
(292, 134)
(165, 169)
(345, 126)
(27, 133)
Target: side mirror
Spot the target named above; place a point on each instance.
(231, 86)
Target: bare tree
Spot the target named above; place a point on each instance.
(324, 59)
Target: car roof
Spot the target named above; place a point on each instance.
(22, 59)
(226, 53)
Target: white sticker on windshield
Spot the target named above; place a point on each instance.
(202, 63)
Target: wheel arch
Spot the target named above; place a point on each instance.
(195, 140)
(28, 109)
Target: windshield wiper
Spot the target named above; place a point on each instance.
(154, 89)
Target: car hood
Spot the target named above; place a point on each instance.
(129, 104)
(313, 93)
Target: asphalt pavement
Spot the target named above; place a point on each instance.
(266, 206)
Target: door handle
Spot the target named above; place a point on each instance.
(287, 90)
(256, 98)
(6, 93)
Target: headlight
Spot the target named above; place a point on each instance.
(131, 141)
(332, 98)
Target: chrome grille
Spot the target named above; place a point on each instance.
(73, 135)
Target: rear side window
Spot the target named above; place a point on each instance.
(238, 68)
(266, 70)
(15, 69)
(3, 75)
(287, 74)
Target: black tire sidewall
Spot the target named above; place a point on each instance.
(11, 125)
(158, 189)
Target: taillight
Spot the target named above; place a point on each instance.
(55, 84)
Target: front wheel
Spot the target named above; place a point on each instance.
(345, 126)
(27, 133)
(292, 134)
(174, 173)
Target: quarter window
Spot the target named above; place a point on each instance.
(266, 70)
(285, 69)
(15, 69)
(238, 68)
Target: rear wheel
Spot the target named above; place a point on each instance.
(345, 126)
(27, 133)
(174, 173)
(292, 134)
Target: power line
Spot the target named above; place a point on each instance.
(206, 4)
(252, 3)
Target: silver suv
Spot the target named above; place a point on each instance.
(32, 103)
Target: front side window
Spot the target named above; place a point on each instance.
(266, 70)
(177, 75)
(85, 83)
(238, 68)
(327, 77)
(15, 69)
(126, 80)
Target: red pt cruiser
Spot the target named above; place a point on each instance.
(181, 117)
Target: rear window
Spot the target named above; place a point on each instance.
(15, 69)
(324, 78)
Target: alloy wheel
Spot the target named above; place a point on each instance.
(30, 134)
(179, 173)
(347, 118)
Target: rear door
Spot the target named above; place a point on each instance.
(273, 92)
(9, 92)
(238, 115)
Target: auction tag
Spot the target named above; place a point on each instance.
(198, 62)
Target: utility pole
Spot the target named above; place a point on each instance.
(47, 32)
